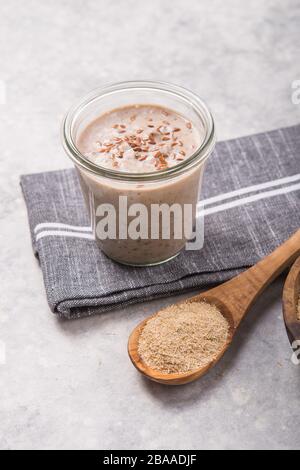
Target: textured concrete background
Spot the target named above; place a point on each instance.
(70, 385)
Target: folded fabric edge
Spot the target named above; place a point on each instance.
(31, 228)
(258, 134)
(90, 306)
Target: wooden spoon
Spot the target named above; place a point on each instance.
(233, 298)
(290, 298)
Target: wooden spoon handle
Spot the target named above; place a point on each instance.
(290, 300)
(241, 292)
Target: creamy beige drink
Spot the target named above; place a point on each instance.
(140, 149)
(139, 139)
(142, 139)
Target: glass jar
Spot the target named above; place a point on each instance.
(103, 187)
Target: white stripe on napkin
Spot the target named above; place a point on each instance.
(249, 189)
(63, 233)
(249, 199)
(51, 225)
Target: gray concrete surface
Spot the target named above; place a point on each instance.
(70, 384)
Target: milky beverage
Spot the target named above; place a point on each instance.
(141, 139)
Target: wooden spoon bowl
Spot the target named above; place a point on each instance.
(233, 299)
(175, 378)
(290, 298)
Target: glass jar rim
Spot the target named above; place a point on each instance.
(198, 157)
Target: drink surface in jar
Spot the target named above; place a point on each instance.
(139, 139)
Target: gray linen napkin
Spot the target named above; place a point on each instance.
(262, 171)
